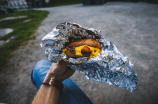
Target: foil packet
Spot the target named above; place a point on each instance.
(110, 66)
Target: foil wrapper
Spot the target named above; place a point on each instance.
(110, 66)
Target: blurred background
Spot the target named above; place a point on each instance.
(132, 25)
(20, 4)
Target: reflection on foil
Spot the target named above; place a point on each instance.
(110, 66)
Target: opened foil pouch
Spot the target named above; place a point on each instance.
(105, 64)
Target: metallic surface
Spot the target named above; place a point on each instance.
(110, 66)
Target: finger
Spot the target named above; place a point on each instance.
(58, 68)
(68, 73)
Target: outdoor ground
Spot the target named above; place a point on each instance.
(132, 27)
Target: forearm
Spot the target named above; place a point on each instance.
(46, 95)
(49, 94)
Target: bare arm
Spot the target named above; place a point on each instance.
(50, 94)
(46, 95)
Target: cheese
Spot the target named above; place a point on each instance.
(95, 51)
(64, 50)
(78, 50)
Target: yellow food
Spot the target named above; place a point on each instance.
(95, 51)
(78, 50)
(64, 50)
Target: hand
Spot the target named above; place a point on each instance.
(60, 70)
(50, 95)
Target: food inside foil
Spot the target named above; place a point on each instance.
(87, 50)
(82, 48)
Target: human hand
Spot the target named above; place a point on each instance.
(60, 71)
(49, 95)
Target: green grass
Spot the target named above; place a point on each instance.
(23, 30)
(63, 2)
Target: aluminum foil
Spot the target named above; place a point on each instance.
(110, 66)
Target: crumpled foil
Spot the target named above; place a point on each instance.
(110, 66)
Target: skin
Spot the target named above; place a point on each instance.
(50, 94)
